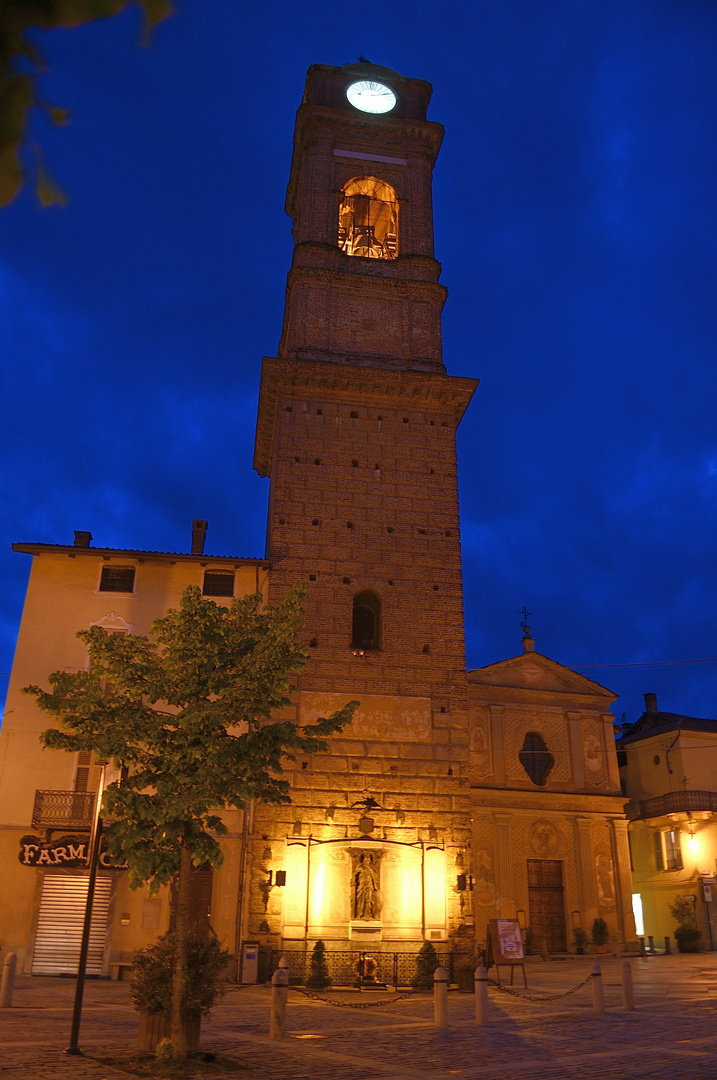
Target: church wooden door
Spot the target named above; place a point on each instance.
(545, 902)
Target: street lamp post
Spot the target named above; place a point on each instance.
(93, 864)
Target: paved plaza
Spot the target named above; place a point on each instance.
(672, 1035)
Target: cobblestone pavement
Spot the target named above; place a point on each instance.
(672, 1035)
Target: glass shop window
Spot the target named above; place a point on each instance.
(218, 583)
(368, 219)
(366, 624)
(117, 579)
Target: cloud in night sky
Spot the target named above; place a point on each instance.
(576, 222)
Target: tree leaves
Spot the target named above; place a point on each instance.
(190, 715)
(18, 87)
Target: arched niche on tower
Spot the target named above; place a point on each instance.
(368, 219)
(366, 621)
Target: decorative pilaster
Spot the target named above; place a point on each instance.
(496, 738)
(623, 884)
(586, 870)
(576, 750)
(505, 902)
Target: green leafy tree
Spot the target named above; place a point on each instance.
(21, 63)
(319, 979)
(187, 717)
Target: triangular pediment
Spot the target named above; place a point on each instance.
(533, 671)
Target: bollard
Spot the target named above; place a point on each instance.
(598, 999)
(668, 950)
(480, 982)
(279, 994)
(8, 980)
(628, 993)
(440, 998)
(651, 946)
(642, 946)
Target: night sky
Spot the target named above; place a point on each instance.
(576, 222)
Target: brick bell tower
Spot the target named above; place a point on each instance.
(356, 430)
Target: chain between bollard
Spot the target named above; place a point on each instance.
(352, 1004)
(543, 997)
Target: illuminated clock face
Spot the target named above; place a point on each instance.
(371, 97)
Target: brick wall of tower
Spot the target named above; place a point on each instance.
(356, 429)
(365, 496)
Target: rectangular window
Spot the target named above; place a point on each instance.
(659, 857)
(87, 772)
(673, 850)
(117, 579)
(218, 583)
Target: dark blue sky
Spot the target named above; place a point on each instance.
(576, 221)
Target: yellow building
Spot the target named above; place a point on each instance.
(667, 768)
(47, 797)
(549, 830)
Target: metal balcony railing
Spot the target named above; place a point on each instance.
(63, 809)
(673, 802)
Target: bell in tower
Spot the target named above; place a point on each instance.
(356, 431)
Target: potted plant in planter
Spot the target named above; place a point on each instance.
(580, 939)
(319, 979)
(687, 933)
(151, 988)
(426, 964)
(599, 935)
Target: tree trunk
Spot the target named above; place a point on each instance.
(179, 1034)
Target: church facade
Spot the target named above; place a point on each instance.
(452, 797)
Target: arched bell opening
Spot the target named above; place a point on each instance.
(368, 219)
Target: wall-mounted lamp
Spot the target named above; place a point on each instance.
(432, 833)
(459, 860)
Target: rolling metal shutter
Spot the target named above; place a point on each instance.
(59, 927)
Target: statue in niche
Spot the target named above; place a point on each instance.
(367, 895)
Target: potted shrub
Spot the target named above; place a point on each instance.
(599, 935)
(151, 987)
(426, 963)
(687, 933)
(528, 940)
(580, 940)
(319, 979)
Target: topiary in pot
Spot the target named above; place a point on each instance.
(151, 987)
(319, 979)
(426, 963)
(580, 938)
(600, 934)
(687, 934)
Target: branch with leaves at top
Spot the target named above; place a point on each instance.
(21, 64)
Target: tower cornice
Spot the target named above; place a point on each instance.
(279, 377)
